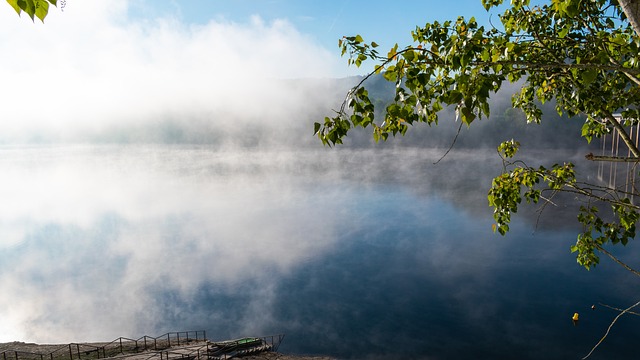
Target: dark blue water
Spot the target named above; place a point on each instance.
(419, 279)
(352, 254)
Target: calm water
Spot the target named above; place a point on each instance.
(355, 254)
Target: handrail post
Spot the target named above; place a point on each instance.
(70, 352)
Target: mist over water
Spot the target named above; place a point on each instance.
(167, 179)
(351, 253)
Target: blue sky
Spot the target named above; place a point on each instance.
(384, 21)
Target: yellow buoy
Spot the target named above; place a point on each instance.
(575, 317)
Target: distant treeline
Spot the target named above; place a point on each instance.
(290, 125)
(504, 123)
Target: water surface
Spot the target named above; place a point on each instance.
(350, 253)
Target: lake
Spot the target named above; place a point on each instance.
(359, 254)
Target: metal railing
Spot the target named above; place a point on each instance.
(119, 346)
(274, 341)
(185, 345)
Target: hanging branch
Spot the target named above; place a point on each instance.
(592, 157)
(609, 328)
(623, 134)
(618, 261)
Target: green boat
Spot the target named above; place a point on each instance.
(236, 348)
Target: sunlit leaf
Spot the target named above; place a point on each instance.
(42, 8)
(588, 76)
(14, 5)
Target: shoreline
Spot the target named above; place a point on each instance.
(31, 351)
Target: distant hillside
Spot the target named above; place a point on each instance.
(505, 123)
(282, 115)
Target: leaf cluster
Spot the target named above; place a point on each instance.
(585, 63)
(597, 232)
(582, 55)
(33, 8)
(520, 181)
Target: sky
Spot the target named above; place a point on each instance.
(386, 22)
(96, 65)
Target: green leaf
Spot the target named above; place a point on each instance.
(563, 33)
(454, 97)
(467, 115)
(409, 55)
(588, 76)
(488, 4)
(28, 6)
(14, 5)
(392, 53)
(33, 8)
(509, 148)
(573, 8)
(42, 8)
(486, 56)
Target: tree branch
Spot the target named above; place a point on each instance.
(631, 8)
(609, 328)
(618, 309)
(592, 157)
(593, 192)
(627, 267)
(623, 134)
(528, 65)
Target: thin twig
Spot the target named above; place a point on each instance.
(619, 262)
(547, 201)
(450, 147)
(609, 328)
(618, 309)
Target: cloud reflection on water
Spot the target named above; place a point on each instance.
(346, 253)
(96, 234)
